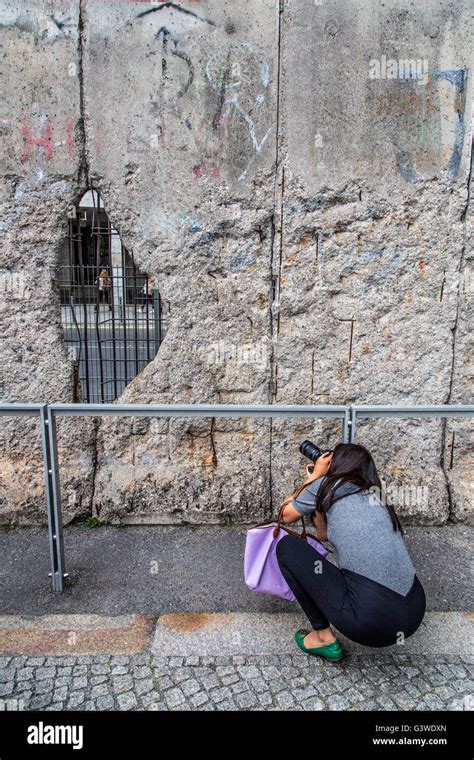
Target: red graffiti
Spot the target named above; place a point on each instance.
(46, 141)
(211, 171)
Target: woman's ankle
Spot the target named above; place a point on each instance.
(326, 634)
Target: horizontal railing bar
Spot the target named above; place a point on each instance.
(199, 410)
(241, 410)
(442, 410)
(14, 409)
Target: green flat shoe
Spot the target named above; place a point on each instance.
(332, 651)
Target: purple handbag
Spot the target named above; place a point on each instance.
(261, 569)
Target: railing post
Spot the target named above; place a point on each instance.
(44, 424)
(53, 496)
(353, 424)
(346, 426)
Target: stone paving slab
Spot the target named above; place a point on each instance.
(259, 633)
(207, 634)
(80, 634)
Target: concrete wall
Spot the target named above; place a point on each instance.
(305, 209)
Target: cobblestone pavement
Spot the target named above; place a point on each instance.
(257, 682)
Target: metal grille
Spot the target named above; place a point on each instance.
(112, 314)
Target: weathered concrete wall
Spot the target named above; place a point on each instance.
(374, 293)
(289, 204)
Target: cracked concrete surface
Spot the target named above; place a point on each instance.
(285, 201)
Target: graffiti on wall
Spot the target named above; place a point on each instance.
(43, 140)
(237, 78)
(230, 71)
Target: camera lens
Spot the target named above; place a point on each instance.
(310, 450)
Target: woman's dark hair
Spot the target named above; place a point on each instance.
(351, 463)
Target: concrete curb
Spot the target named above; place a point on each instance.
(260, 633)
(209, 634)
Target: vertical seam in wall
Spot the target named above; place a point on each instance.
(453, 347)
(83, 171)
(280, 247)
(83, 178)
(96, 423)
(272, 244)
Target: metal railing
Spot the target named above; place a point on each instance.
(47, 413)
(360, 411)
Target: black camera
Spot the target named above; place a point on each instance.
(311, 451)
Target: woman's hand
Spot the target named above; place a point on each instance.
(309, 473)
(321, 467)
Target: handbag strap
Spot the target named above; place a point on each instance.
(278, 525)
(304, 534)
(294, 495)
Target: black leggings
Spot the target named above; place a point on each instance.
(365, 611)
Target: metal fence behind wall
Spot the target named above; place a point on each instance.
(47, 413)
(111, 313)
(111, 335)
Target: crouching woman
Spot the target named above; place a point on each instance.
(373, 596)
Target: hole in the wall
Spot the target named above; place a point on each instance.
(112, 313)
